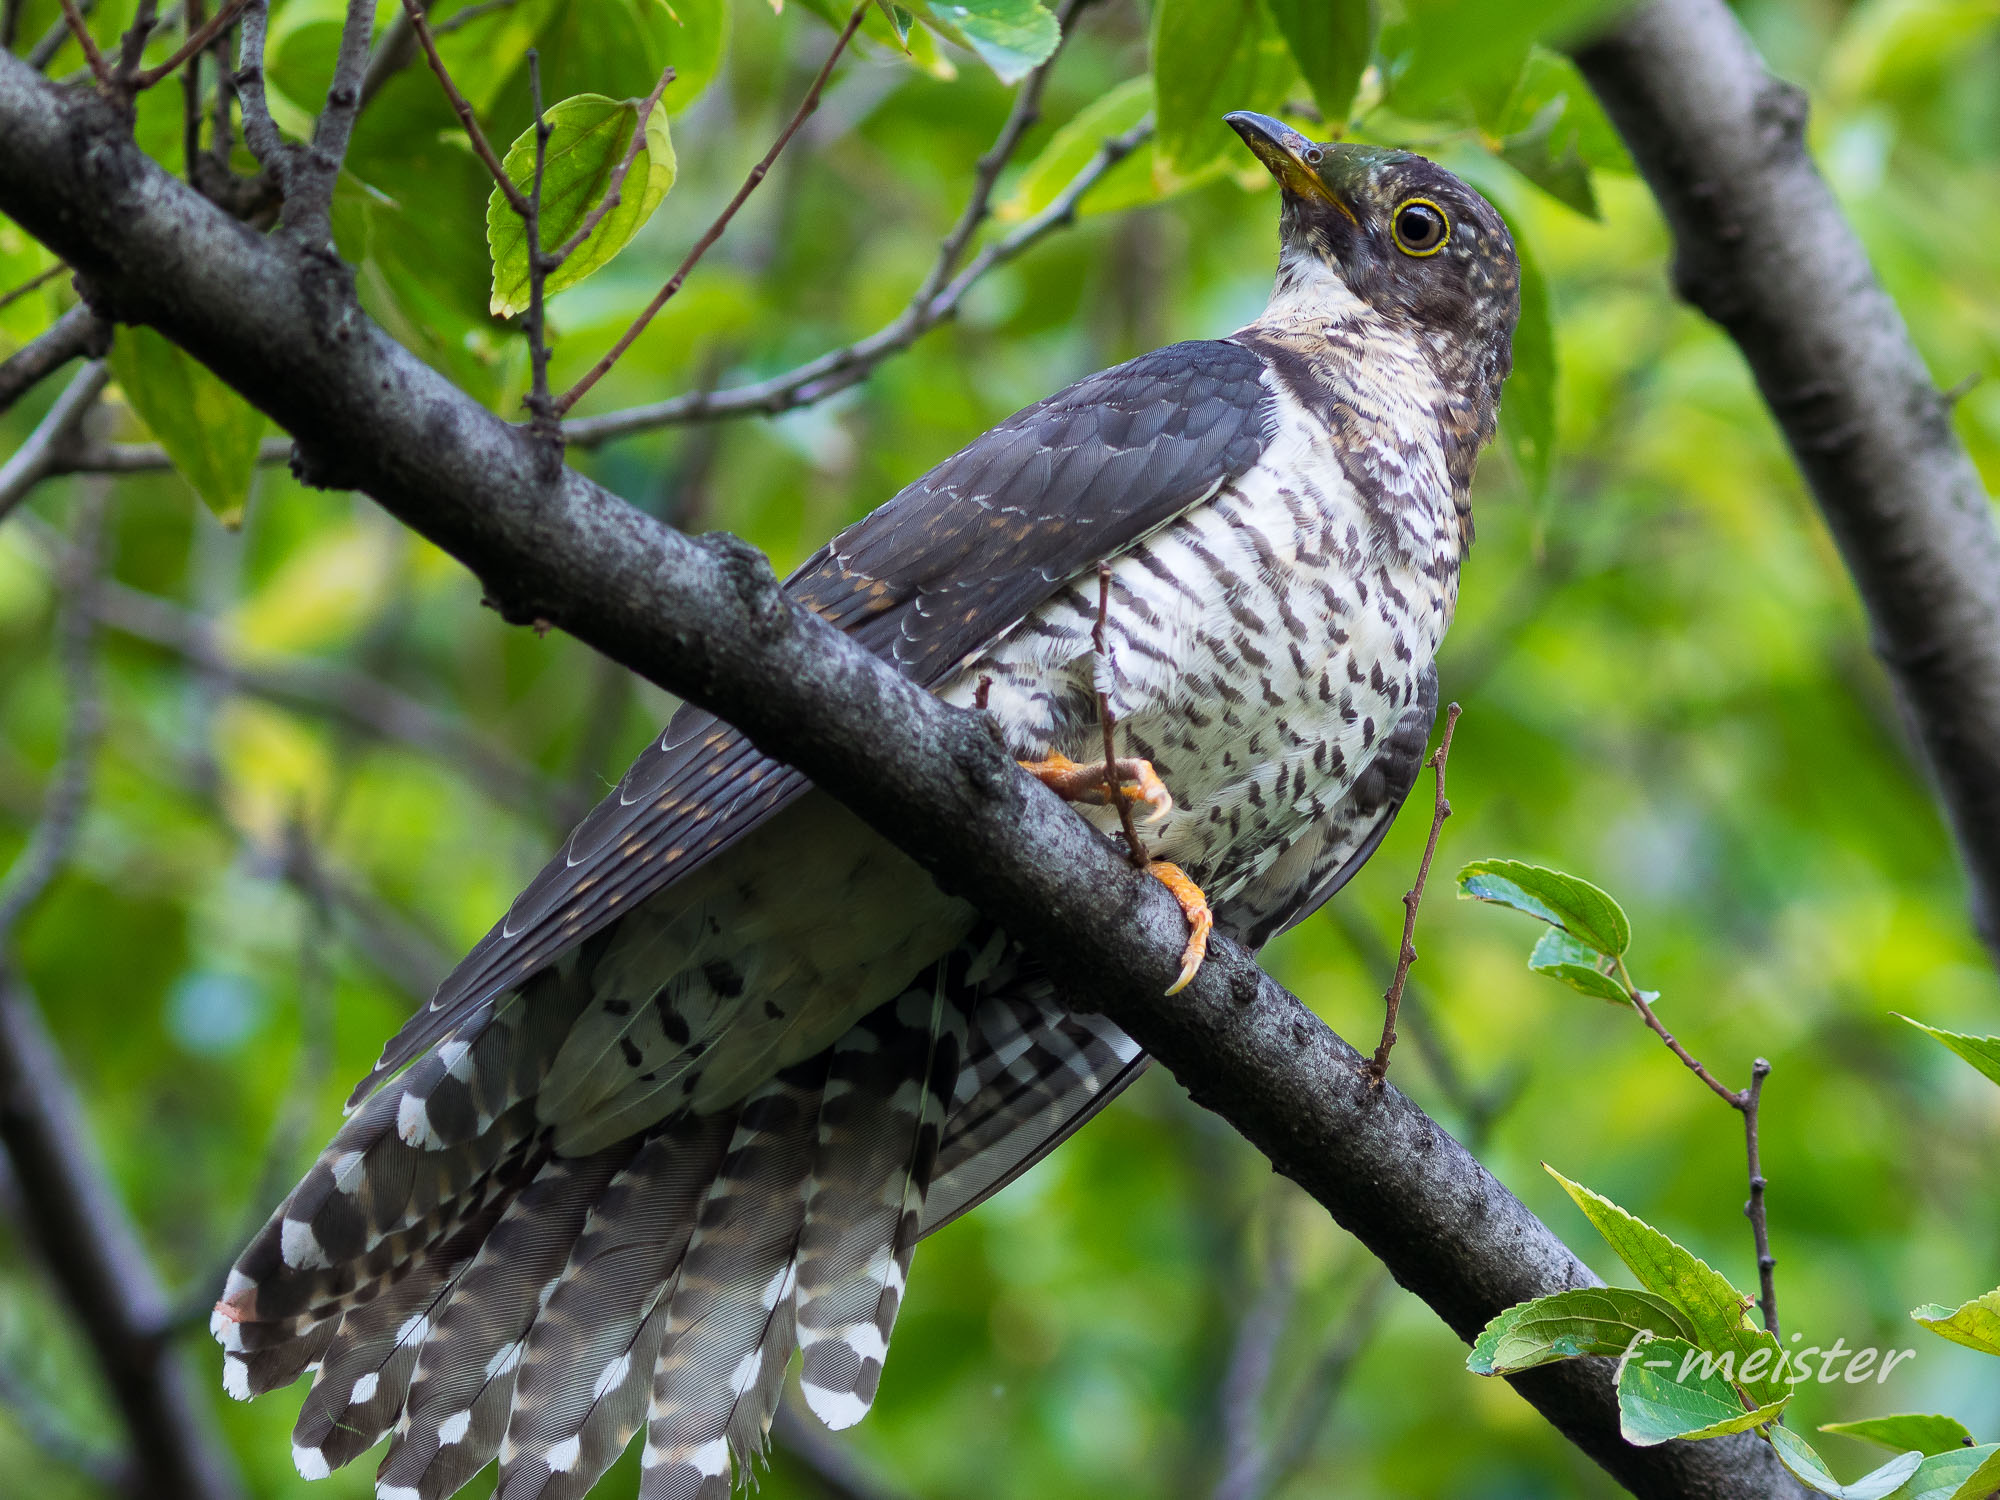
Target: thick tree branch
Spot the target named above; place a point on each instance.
(707, 620)
(1763, 249)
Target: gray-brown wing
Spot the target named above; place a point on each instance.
(935, 574)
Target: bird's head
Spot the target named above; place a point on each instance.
(1404, 237)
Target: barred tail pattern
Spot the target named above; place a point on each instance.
(452, 1282)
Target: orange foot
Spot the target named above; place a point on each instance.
(1137, 782)
(1194, 905)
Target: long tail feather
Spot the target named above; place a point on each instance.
(463, 1388)
(886, 1098)
(729, 1328)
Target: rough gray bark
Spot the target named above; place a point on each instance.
(706, 619)
(1762, 248)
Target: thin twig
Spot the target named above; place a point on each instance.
(132, 45)
(145, 458)
(1027, 109)
(1640, 1002)
(715, 230)
(1746, 1102)
(1753, 1209)
(614, 194)
(260, 131)
(48, 846)
(1114, 788)
(480, 145)
(1378, 1067)
(76, 333)
(35, 459)
(541, 414)
(1247, 1377)
(309, 199)
(45, 1427)
(223, 20)
(850, 364)
(191, 98)
(99, 68)
(40, 278)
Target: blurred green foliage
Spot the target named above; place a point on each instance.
(1666, 680)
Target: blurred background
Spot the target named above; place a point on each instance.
(326, 768)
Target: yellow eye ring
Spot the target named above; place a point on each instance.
(1428, 230)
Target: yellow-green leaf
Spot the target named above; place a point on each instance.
(1603, 1320)
(1983, 1052)
(209, 431)
(1718, 1312)
(1674, 1390)
(1902, 1431)
(588, 137)
(1975, 1324)
(1798, 1455)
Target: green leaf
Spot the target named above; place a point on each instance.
(1547, 76)
(1983, 1052)
(1975, 1324)
(1452, 45)
(1331, 41)
(1576, 906)
(1562, 957)
(617, 48)
(1211, 57)
(1797, 1455)
(1982, 1480)
(1545, 152)
(1590, 1320)
(209, 431)
(1131, 183)
(1905, 1430)
(1718, 1313)
(1010, 36)
(588, 137)
(1674, 1390)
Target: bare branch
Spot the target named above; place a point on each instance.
(614, 194)
(715, 230)
(93, 1255)
(1412, 900)
(143, 458)
(48, 846)
(316, 169)
(541, 413)
(480, 145)
(33, 283)
(76, 333)
(260, 131)
(708, 620)
(99, 68)
(1753, 1209)
(850, 364)
(222, 21)
(1762, 247)
(35, 459)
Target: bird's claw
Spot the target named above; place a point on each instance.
(1074, 782)
(1194, 905)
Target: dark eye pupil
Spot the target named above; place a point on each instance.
(1419, 227)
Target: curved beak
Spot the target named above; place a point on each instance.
(1303, 167)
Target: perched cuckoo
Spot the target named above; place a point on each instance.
(692, 1103)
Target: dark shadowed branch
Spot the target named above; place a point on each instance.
(1763, 249)
(68, 1208)
(76, 333)
(707, 620)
